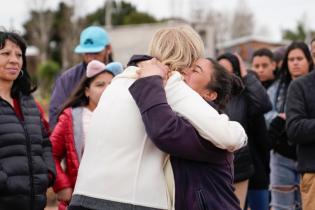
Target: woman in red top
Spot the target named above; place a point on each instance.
(69, 134)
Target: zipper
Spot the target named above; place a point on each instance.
(28, 153)
(30, 165)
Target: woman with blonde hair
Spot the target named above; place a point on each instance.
(121, 167)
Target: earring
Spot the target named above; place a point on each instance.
(21, 73)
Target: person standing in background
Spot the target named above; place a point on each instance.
(94, 45)
(300, 124)
(68, 137)
(258, 198)
(252, 102)
(26, 164)
(284, 177)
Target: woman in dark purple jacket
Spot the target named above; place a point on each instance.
(203, 173)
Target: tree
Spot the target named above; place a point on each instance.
(243, 21)
(39, 27)
(65, 35)
(55, 33)
(138, 18)
(123, 13)
(221, 25)
(46, 73)
(298, 35)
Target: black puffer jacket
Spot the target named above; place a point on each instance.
(253, 102)
(26, 164)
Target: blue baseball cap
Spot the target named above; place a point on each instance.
(93, 39)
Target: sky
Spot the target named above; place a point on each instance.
(270, 16)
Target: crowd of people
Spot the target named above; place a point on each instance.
(174, 130)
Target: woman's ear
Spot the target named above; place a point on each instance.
(87, 92)
(210, 95)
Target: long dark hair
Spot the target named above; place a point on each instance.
(225, 84)
(285, 76)
(285, 73)
(234, 62)
(78, 97)
(23, 83)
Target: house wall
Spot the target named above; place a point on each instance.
(246, 49)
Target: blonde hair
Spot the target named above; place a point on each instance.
(178, 47)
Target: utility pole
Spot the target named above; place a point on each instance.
(108, 12)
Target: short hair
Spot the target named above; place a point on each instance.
(313, 40)
(263, 52)
(177, 47)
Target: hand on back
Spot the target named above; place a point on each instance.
(151, 68)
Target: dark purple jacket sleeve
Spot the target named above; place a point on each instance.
(58, 97)
(169, 132)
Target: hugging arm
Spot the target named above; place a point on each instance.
(170, 132)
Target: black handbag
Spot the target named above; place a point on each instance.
(277, 132)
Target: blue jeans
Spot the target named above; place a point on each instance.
(258, 199)
(284, 183)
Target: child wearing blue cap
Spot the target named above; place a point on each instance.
(94, 45)
(68, 137)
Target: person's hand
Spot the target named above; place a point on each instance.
(65, 195)
(151, 68)
(243, 69)
(282, 115)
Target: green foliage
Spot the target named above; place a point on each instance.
(123, 13)
(46, 74)
(55, 33)
(298, 35)
(138, 18)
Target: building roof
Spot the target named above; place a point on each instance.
(246, 39)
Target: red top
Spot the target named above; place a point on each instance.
(17, 109)
(19, 114)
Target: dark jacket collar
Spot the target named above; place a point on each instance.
(137, 58)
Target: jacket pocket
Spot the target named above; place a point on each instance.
(201, 200)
